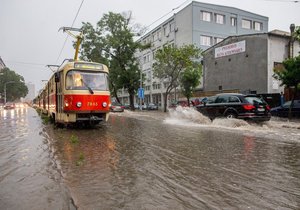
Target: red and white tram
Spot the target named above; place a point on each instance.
(78, 92)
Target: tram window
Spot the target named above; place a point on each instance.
(73, 80)
(81, 80)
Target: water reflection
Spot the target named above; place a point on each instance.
(28, 179)
(249, 144)
(150, 161)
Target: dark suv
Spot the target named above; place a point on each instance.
(235, 105)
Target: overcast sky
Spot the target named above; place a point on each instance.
(29, 37)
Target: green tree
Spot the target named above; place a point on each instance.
(189, 80)
(15, 85)
(296, 33)
(171, 61)
(112, 43)
(289, 75)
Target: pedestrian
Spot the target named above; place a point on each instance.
(281, 99)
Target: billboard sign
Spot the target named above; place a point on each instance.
(230, 49)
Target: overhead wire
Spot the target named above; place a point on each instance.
(167, 13)
(68, 34)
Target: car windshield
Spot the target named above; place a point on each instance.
(255, 100)
(82, 80)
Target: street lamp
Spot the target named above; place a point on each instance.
(5, 89)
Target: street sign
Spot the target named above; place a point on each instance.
(141, 93)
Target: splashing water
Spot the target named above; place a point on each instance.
(232, 123)
(187, 114)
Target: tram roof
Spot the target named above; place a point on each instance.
(83, 65)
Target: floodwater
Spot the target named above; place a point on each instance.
(149, 160)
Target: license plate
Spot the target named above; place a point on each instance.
(260, 109)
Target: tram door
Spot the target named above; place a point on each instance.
(59, 93)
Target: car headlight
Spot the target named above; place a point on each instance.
(104, 104)
(78, 104)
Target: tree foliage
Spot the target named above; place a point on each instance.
(16, 87)
(289, 75)
(296, 34)
(112, 43)
(189, 80)
(171, 62)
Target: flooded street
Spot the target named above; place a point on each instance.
(149, 160)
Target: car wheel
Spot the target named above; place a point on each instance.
(230, 115)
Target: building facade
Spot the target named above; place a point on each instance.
(246, 63)
(198, 23)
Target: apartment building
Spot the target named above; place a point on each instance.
(197, 23)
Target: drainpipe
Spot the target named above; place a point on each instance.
(291, 43)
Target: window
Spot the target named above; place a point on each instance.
(166, 30)
(233, 21)
(246, 24)
(205, 40)
(234, 99)
(146, 58)
(148, 75)
(257, 26)
(83, 80)
(206, 16)
(155, 86)
(217, 40)
(222, 99)
(220, 19)
(159, 35)
(172, 26)
(155, 36)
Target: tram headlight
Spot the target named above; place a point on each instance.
(78, 104)
(104, 104)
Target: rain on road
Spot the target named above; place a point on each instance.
(149, 160)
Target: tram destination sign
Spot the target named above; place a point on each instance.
(95, 66)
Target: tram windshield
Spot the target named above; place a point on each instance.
(83, 80)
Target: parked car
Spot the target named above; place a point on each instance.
(152, 106)
(235, 105)
(144, 106)
(126, 106)
(116, 107)
(181, 103)
(9, 105)
(283, 111)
